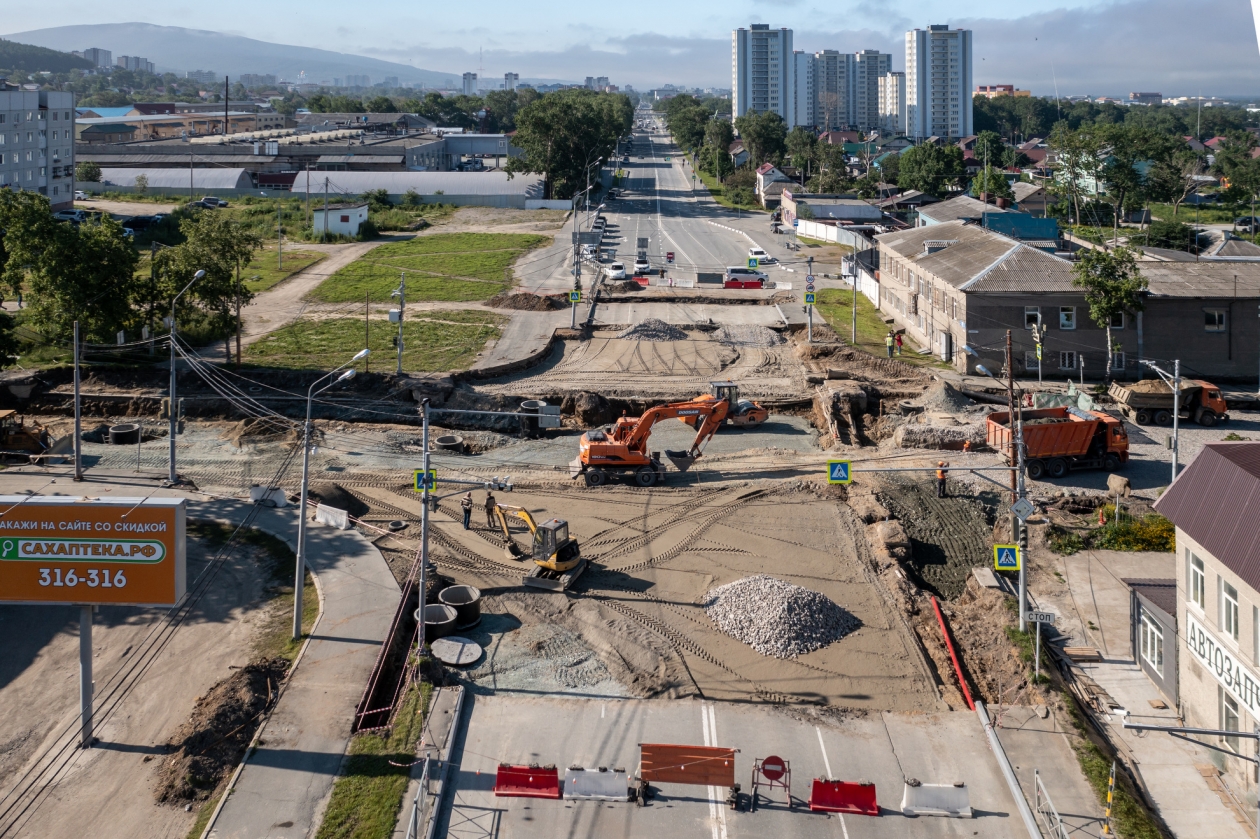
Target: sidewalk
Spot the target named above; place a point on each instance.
(283, 789)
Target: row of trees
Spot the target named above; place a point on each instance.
(564, 134)
(494, 113)
(1025, 117)
(88, 272)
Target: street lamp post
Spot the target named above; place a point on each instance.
(1173, 381)
(300, 572)
(172, 407)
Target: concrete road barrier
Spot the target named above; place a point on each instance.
(526, 781)
(950, 800)
(332, 516)
(601, 784)
(843, 797)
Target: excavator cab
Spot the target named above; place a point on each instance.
(553, 549)
(726, 390)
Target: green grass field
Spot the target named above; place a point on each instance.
(458, 267)
(268, 273)
(434, 342)
(836, 307)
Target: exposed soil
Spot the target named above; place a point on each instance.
(978, 620)
(523, 301)
(211, 742)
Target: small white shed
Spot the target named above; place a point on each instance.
(343, 219)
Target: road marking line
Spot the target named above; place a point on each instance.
(717, 803)
(708, 741)
(826, 762)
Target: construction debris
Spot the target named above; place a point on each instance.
(748, 335)
(526, 302)
(945, 398)
(777, 618)
(654, 329)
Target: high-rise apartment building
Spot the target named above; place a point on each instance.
(804, 97)
(763, 72)
(868, 66)
(37, 152)
(203, 76)
(358, 81)
(267, 80)
(938, 82)
(470, 84)
(101, 58)
(835, 90)
(510, 80)
(136, 63)
(892, 103)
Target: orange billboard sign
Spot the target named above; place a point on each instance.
(120, 551)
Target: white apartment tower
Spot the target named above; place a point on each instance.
(837, 90)
(938, 82)
(510, 80)
(805, 98)
(763, 72)
(868, 66)
(892, 103)
(470, 84)
(37, 143)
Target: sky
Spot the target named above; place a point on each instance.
(1176, 47)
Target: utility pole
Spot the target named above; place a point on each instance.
(325, 209)
(78, 427)
(1176, 412)
(279, 239)
(426, 486)
(853, 337)
(227, 94)
(401, 294)
(190, 177)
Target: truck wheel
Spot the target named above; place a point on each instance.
(1142, 418)
(1036, 469)
(596, 477)
(1057, 467)
(1111, 463)
(1163, 418)
(1208, 419)
(645, 476)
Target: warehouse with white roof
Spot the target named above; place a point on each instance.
(462, 189)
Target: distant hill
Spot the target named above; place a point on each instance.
(175, 49)
(27, 58)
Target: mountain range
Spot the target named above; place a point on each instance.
(176, 49)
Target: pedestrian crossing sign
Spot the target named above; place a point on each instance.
(809, 298)
(839, 471)
(753, 263)
(1006, 557)
(420, 482)
(575, 297)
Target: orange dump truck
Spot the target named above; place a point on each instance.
(1057, 440)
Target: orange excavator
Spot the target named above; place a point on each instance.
(623, 448)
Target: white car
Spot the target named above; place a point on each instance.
(761, 256)
(80, 195)
(641, 266)
(615, 271)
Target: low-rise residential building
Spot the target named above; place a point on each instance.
(1214, 505)
(989, 91)
(839, 209)
(37, 142)
(1153, 631)
(339, 219)
(107, 132)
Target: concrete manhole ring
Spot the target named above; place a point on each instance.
(456, 650)
(396, 525)
(449, 443)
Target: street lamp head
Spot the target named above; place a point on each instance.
(199, 275)
(346, 376)
(362, 354)
(984, 370)
(969, 351)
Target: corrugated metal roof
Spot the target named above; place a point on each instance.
(962, 207)
(1216, 501)
(166, 161)
(1160, 591)
(377, 159)
(213, 177)
(426, 183)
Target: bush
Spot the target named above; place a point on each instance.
(1064, 542)
(378, 200)
(1170, 234)
(90, 172)
(741, 195)
(412, 198)
(1149, 533)
(368, 230)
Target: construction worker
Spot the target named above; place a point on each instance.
(966, 447)
(466, 503)
(897, 340)
(941, 474)
(491, 505)
(888, 343)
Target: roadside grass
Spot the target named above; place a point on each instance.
(459, 267)
(366, 797)
(819, 243)
(203, 816)
(835, 306)
(439, 342)
(1206, 214)
(263, 272)
(719, 195)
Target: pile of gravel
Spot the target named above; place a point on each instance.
(777, 618)
(748, 335)
(942, 397)
(654, 329)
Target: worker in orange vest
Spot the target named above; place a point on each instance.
(966, 447)
(941, 473)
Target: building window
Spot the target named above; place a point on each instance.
(1196, 580)
(1067, 317)
(1032, 316)
(1229, 610)
(1067, 360)
(1213, 320)
(1117, 320)
(1152, 644)
(1117, 361)
(1229, 717)
(1030, 361)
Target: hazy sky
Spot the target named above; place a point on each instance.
(1173, 46)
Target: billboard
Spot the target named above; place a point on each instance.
(120, 551)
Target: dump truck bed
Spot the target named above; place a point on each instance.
(1156, 400)
(1048, 432)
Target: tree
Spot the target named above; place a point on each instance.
(764, 135)
(1113, 285)
(802, 147)
(142, 184)
(990, 150)
(1077, 153)
(221, 247)
(932, 169)
(718, 136)
(381, 105)
(1171, 234)
(1172, 178)
(992, 182)
(88, 171)
(564, 133)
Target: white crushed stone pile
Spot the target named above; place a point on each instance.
(748, 335)
(777, 618)
(654, 329)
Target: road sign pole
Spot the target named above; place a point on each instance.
(1037, 649)
(424, 519)
(809, 324)
(85, 676)
(573, 319)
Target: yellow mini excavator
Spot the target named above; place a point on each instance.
(557, 558)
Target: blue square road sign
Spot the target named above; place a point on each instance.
(809, 298)
(575, 297)
(752, 263)
(419, 483)
(839, 471)
(1006, 557)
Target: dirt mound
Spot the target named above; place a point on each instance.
(748, 335)
(654, 329)
(621, 286)
(777, 618)
(335, 496)
(945, 398)
(947, 535)
(979, 619)
(525, 302)
(210, 744)
(261, 429)
(926, 436)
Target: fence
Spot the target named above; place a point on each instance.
(416, 820)
(1044, 809)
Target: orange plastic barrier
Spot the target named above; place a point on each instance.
(703, 765)
(843, 797)
(527, 781)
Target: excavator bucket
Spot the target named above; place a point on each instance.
(513, 551)
(575, 467)
(682, 460)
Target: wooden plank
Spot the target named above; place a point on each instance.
(674, 764)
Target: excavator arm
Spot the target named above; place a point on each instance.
(714, 414)
(502, 511)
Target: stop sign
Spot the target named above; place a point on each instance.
(772, 768)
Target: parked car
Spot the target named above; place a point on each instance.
(77, 216)
(761, 256)
(641, 266)
(140, 223)
(211, 201)
(80, 195)
(1247, 224)
(615, 271)
(738, 276)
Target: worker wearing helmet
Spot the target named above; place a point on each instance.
(941, 474)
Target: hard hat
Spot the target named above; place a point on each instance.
(942, 463)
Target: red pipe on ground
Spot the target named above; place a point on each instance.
(953, 656)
